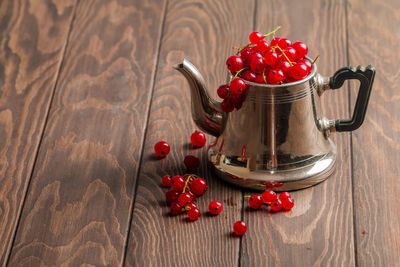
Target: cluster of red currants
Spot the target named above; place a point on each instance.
(277, 203)
(277, 62)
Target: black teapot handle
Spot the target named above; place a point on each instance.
(366, 78)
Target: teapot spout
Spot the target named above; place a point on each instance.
(206, 112)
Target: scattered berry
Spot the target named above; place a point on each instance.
(198, 186)
(193, 214)
(185, 199)
(284, 195)
(256, 201)
(239, 228)
(162, 148)
(175, 208)
(166, 180)
(191, 206)
(198, 139)
(269, 196)
(191, 162)
(215, 207)
(276, 205)
(172, 196)
(287, 203)
(177, 183)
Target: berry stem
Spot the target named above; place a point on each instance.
(237, 73)
(315, 60)
(186, 182)
(247, 196)
(283, 53)
(273, 32)
(265, 80)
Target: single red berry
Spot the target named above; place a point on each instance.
(284, 43)
(191, 162)
(245, 53)
(198, 186)
(239, 228)
(269, 196)
(198, 139)
(193, 214)
(184, 199)
(235, 99)
(263, 46)
(248, 75)
(256, 201)
(175, 208)
(223, 91)
(191, 206)
(275, 76)
(284, 195)
(307, 63)
(290, 53)
(287, 203)
(177, 183)
(284, 65)
(172, 196)
(234, 63)
(298, 71)
(166, 180)
(278, 184)
(276, 205)
(270, 185)
(301, 49)
(275, 41)
(227, 106)
(237, 86)
(260, 79)
(161, 148)
(257, 65)
(256, 37)
(271, 58)
(215, 207)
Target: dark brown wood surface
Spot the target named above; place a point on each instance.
(31, 52)
(80, 184)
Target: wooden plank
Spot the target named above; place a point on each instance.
(319, 230)
(374, 39)
(32, 42)
(77, 207)
(203, 31)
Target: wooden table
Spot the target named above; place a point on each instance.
(87, 88)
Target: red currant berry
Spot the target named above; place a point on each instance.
(162, 149)
(270, 185)
(239, 228)
(263, 46)
(290, 53)
(177, 183)
(276, 205)
(260, 79)
(172, 196)
(184, 199)
(227, 106)
(299, 71)
(287, 203)
(191, 206)
(175, 208)
(166, 180)
(193, 214)
(284, 65)
(307, 63)
(290, 79)
(256, 201)
(191, 162)
(284, 43)
(256, 37)
(271, 58)
(279, 184)
(215, 207)
(237, 86)
(284, 195)
(234, 63)
(275, 41)
(235, 99)
(301, 49)
(245, 53)
(198, 139)
(198, 186)
(269, 196)
(257, 65)
(188, 176)
(275, 76)
(223, 91)
(249, 75)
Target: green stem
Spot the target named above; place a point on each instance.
(272, 33)
(315, 60)
(265, 80)
(283, 53)
(237, 73)
(186, 183)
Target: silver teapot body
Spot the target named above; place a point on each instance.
(279, 137)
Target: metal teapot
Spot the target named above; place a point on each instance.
(278, 138)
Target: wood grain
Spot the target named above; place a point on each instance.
(374, 39)
(203, 31)
(31, 52)
(319, 229)
(77, 207)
